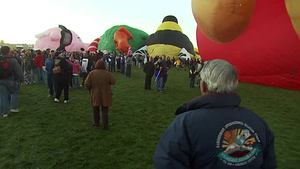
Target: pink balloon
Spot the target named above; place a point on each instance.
(51, 37)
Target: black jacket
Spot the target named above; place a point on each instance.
(149, 69)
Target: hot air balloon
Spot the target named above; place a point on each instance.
(260, 38)
(93, 47)
(120, 37)
(169, 40)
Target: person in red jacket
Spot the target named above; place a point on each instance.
(39, 63)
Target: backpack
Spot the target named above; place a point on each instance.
(5, 72)
(56, 68)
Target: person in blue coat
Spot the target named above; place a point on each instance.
(213, 131)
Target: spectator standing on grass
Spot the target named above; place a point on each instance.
(166, 65)
(49, 64)
(213, 131)
(75, 73)
(39, 63)
(149, 70)
(61, 79)
(8, 80)
(86, 67)
(15, 94)
(192, 75)
(128, 63)
(26, 67)
(122, 66)
(98, 84)
(159, 67)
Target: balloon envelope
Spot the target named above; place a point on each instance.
(267, 53)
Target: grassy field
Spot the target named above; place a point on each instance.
(49, 135)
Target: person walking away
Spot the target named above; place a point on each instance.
(49, 64)
(10, 72)
(149, 70)
(213, 131)
(61, 72)
(98, 84)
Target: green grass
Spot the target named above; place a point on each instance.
(49, 135)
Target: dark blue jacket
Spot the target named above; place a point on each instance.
(214, 132)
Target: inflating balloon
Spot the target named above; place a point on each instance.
(93, 47)
(268, 51)
(118, 35)
(223, 21)
(59, 38)
(168, 39)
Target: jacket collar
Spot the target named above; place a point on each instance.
(211, 100)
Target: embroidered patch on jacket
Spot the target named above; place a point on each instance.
(237, 139)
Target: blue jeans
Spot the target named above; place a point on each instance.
(5, 95)
(40, 75)
(50, 82)
(76, 81)
(14, 97)
(159, 84)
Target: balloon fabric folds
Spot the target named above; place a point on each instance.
(268, 51)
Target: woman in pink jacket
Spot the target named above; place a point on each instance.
(76, 68)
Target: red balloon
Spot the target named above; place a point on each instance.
(267, 53)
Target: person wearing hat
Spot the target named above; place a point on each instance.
(61, 78)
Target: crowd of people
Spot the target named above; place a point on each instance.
(211, 131)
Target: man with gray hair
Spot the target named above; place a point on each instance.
(213, 131)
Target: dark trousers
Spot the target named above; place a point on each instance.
(112, 68)
(84, 75)
(96, 113)
(59, 86)
(165, 78)
(148, 82)
(128, 71)
(192, 82)
(50, 82)
(122, 66)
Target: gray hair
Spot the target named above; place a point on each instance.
(219, 76)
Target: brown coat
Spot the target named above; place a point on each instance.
(98, 83)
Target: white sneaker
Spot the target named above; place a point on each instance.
(56, 100)
(66, 101)
(5, 115)
(14, 110)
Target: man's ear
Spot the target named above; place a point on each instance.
(203, 88)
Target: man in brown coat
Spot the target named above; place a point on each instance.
(98, 83)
